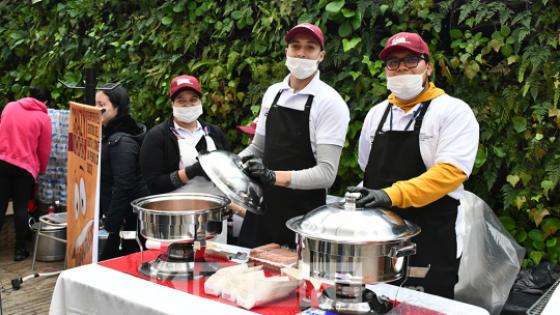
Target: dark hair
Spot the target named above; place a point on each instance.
(118, 96)
(40, 93)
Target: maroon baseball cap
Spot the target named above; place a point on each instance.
(183, 82)
(250, 130)
(404, 40)
(309, 29)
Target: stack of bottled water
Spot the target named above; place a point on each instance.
(52, 184)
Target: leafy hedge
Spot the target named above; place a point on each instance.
(501, 57)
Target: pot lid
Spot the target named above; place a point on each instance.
(343, 222)
(225, 170)
(47, 227)
(52, 221)
(55, 219)
(179, 203)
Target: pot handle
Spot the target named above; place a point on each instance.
(30, 222)
(408, 250)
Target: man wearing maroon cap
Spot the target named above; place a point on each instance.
(416, 149)
(299, 137)
(168, 156)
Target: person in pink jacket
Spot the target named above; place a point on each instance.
(25, 146)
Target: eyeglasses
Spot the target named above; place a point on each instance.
(410, 62)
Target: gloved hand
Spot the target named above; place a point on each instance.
(371, 198)
(194, 170)
(246, 158)
(256, 169)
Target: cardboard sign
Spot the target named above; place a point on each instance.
(82, 201)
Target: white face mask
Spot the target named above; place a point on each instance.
(187, 114)
(406, 86)
(301, 68)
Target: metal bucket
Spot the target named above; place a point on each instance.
(49, 249)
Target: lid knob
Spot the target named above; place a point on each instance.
(350, 199)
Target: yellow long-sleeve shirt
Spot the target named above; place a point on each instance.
(433, 184)
(437, 181)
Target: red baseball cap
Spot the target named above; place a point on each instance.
(250, 129)
(306, 28)
(409, 41)
(183, 82)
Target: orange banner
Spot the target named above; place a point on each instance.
(82, 199)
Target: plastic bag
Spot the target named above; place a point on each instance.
(491, 257)
(529, 286)
(536, 280)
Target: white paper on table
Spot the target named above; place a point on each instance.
(263, 291)
(216, 282)
(235, 282)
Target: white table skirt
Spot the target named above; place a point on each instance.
(94, 289)
(425, 300)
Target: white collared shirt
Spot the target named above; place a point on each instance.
(191, 136)
(449, 133)
(329, 115)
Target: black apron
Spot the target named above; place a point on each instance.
(395, 156)
(287, 147)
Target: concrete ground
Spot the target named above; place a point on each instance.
(34, 296)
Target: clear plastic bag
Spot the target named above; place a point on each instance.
(491, 257)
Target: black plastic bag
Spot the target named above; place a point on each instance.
(530, 284)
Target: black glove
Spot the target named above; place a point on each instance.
(246, 158)
(256, 169)
(371, 198)
(194, 170)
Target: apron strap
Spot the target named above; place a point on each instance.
(420, 118)
(309, 103)
(210, 144)
(383, 118)
(276, 98)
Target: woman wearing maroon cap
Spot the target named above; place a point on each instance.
(416, 149)
(168, 157)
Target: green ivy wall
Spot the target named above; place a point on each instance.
(501, 57)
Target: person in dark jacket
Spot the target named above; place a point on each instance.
(168, 157)
(121, 178)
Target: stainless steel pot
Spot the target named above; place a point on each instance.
(348, 245)
(181, 216)
(49, 249)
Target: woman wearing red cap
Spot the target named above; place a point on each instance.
(299, 137)
(168, 157)
(417, 148)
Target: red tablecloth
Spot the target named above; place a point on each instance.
(129, 264)
(290, 305)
